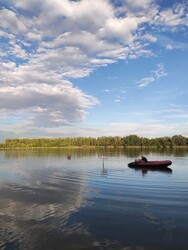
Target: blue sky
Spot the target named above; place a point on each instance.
(93, 68)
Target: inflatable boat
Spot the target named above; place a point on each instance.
(149, 164)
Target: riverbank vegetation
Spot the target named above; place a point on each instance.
(104, 141)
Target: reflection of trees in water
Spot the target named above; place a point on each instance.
(39, 212)
(134, 152)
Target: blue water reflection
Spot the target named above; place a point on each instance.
(51, 201)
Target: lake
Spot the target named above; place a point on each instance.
(74, 199)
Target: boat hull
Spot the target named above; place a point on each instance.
(150, 164)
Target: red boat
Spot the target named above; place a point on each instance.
(149, 164)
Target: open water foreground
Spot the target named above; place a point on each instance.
(74, 199)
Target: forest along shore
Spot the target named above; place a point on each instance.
(130, 141)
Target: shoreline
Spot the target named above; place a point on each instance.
(94, 147)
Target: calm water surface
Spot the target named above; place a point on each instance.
(48, 201)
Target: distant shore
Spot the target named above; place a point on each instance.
(130, 141)
(93, 147)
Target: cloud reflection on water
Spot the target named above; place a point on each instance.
(48, 201)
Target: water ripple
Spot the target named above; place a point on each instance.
(53, 202)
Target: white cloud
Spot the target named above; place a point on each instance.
(139, 3)
(17, 51)
(10, 21)
(5, 34)
(169, 47)
(45, 104)
(44, 43)
(71, 72)
(149, 37)
(145, 81)
(149, 128)
(166, 111)
(173, 17)
(121, 28)
(160, 72)
(109, 90)
(171, 44)
(155, 75)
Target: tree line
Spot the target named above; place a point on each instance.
(104, 141)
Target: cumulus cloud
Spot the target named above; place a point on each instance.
(44, 44)
(47, 105)
(9, 20)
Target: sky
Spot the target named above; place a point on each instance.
(93, 68)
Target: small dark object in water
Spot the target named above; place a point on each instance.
(68, 157)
